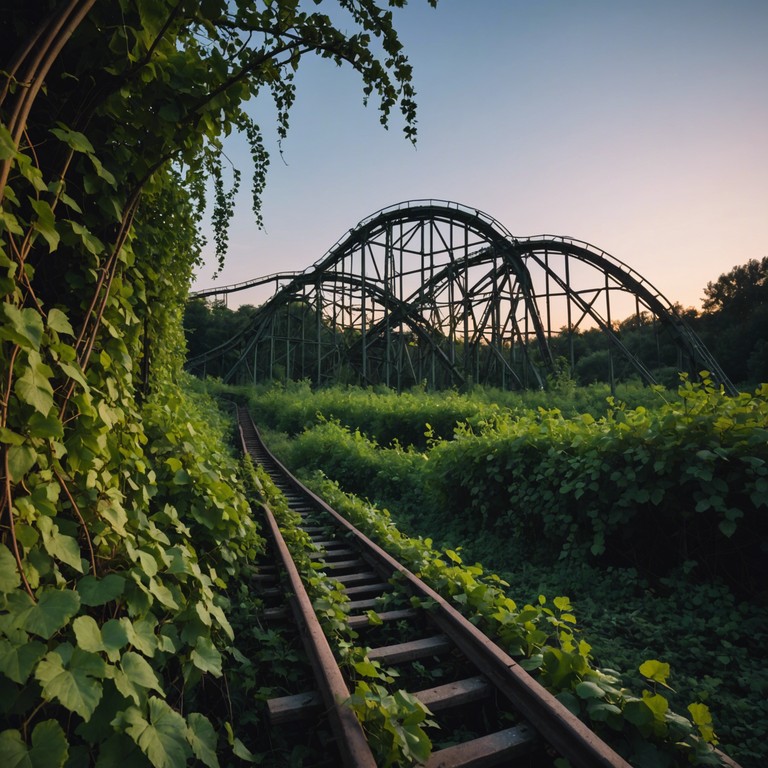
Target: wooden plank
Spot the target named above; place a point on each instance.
(362, 605)
(494, 749)
(353, 578)
(358, 622)
(416, 649)
(363, 589)
(455, 694)
(288, 709)
(339, 565)
(331, 554)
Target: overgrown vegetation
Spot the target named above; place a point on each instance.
(650, 519)
(122, 520)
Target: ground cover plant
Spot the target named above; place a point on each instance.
(651, 520)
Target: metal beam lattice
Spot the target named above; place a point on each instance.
(436, 293)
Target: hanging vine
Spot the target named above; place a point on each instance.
(121, 518)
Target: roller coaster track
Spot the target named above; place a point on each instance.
(438, 292)
(524, 724)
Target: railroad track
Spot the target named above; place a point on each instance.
(473, 686)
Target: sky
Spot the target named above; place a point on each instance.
(640, 127)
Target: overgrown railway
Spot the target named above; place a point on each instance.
(492, 710)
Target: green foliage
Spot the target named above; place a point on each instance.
(544, 637)
(630, 598)
(122, 518)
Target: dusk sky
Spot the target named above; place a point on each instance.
(638, 126)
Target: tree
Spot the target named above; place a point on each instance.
(739, 291)
(112, 115)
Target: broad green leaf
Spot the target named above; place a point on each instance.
(562, 603)
(18, 660)
(702, 719)
(24, 326)
(9, 574)
(49, 747)
(202, 737)
(21, 458)
(74, 373)
(74, 139)
(58, 545)
(589, 690)
(114, 636)
(96, 591)
(163, 594)
(162, 738)
(206, 658)
(367, 669)
(88, 634)
(453, 556)
(655, 670)
(59, 322)
(140, 672)
(48, 427)
(141, 634)
(53, 610)
(33, 386)
(9, 437)
(74, 688)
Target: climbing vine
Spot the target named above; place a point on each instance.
(121, 518)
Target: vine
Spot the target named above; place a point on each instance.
(122, 520)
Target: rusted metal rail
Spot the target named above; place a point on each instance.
(483, 678)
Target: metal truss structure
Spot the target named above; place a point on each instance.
(435, 292)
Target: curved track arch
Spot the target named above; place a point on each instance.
(437, 292)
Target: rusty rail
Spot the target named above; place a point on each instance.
(546, 720)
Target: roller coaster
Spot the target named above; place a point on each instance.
(441, 294)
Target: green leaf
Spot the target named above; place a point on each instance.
(114, 636)
(74, 687)
(21, 458)
(162, 738)
(655, 670)
(140, 672)
(90, 241)
(366, 669)
(9, 437)
(7, 144)
(202, 738)
(49, 747)
(589, 690)
(45, 223)
(17, 660)
(702, 719)
(48, 427)
(33, 386)
(88, 634)
(58, 545)
(95, 591)
(74, 139)
(9, 574)
(52, 611)
(24, 326)
(206, 658)
(163, 594)
(58, 321)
